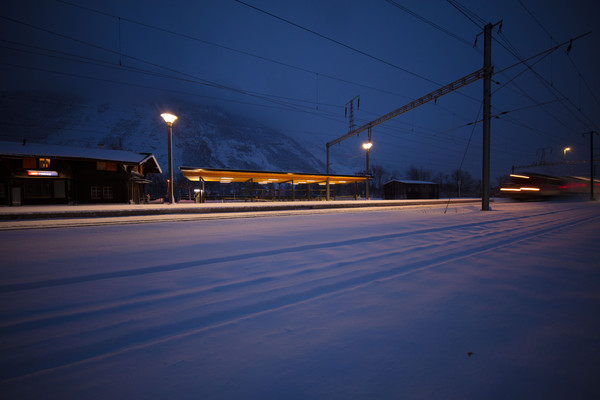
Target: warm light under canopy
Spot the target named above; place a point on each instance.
(169, 118)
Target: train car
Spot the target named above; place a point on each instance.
(528, 186)
(575, 185)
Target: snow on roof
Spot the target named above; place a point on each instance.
(412, 182)
(58, 151)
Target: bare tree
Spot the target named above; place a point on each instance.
(418, 174)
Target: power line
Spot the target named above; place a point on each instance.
(430, 23)
(317, 74)
(106, 64)
(471, 16)
(512, 50)
(478, 21)
(338, 43)
(570, 59)
(551, 88)
(184, 76)
(246, 53)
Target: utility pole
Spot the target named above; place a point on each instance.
(367, 147)
(591, 163)
(350, 104)
(543, 156)
(487, 105)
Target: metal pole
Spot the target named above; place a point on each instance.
(367, 175)
(591, 164)
(171, 183)
(487, 94)
(327, 188)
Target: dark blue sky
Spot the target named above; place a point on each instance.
(227, 53)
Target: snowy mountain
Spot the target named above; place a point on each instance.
(203, 136)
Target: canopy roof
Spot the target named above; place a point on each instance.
(264, 177)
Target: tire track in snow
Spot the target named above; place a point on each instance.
(148, 336)
(199, 263)
(56, 317)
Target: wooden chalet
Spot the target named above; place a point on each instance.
(33, 173)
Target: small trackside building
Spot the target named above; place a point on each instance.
(409, 189)
(32, 173)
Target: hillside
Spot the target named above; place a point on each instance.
(203, 136)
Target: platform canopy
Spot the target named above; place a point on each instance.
(265, 177)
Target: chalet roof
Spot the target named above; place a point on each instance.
(17, 149)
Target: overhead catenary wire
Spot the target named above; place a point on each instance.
(478, 21)
(180, 75)
(551, 88)
(471, 16)
(247, 53)
(430, 23)
(229, 48)
(160, 29)
(591, 91)
(354, 49)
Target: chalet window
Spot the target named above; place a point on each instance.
(96, 193)
(102, 192)
(107, 192)
(29, 163)
(44, 163)
(106, 166)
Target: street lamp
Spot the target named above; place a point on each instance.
(367, 146)
(565, 152)
(169, 119)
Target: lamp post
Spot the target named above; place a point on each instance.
(565, 152)
(367, 146)
(169, 119)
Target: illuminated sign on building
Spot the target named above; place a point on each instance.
(31, 172)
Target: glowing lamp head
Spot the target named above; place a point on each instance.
(169, 118)
(367, 146)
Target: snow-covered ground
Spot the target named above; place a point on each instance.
(363, 304)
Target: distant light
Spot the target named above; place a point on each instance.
(530, 189)
(510, 189)
(196, 190)
(519, 176)
(169, 118)
(367, 145)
